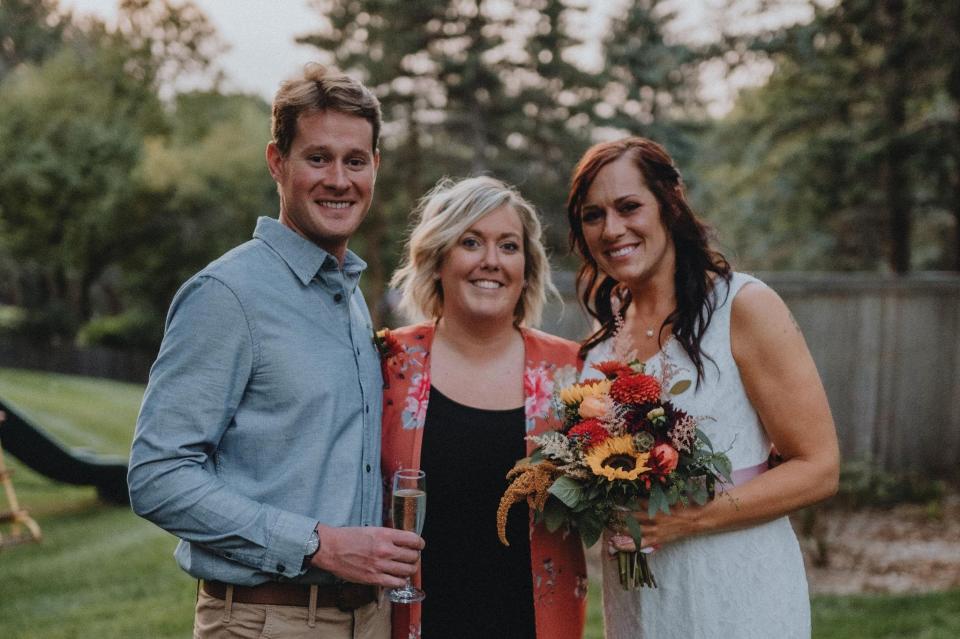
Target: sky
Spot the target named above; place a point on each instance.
(262, 53)
(260, 34)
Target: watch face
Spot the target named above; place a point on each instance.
(314, 544)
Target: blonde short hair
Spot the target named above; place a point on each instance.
(442, 216)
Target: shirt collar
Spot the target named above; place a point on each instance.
(303, 257)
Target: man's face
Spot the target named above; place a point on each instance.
(326, 180)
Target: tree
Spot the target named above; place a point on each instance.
(30, 31)
(651, 79)
(199, 193)
(71, 129)
(164, 39)
(64, 189)
(848, 136)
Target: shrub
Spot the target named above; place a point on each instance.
(135, 328)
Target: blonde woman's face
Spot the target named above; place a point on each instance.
(482, 275)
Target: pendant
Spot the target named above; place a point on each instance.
(649, 332)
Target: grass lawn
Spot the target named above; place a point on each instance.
(103, 572)
(83, 412)
(931, 616)
(100, 570)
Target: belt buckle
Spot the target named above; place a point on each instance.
(341, 599)
(348, 597)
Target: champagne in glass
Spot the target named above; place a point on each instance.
(409, 507)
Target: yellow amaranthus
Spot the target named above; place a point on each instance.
(530, 482)
(576, 393)
(617, 458)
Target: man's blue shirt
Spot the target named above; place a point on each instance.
(262, 413)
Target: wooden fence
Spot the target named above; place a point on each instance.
(127, 366)
(888, 351)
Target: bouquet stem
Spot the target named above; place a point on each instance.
(634, 570)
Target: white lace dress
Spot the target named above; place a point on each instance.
(748, 583)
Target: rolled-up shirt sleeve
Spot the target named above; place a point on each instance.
(196, 385)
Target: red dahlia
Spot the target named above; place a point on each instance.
(635, 389)
(613, 369)
(590, 432)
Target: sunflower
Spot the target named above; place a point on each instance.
(617, 458)
(573, 395)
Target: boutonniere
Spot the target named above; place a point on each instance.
(390, 350)
(387, 345)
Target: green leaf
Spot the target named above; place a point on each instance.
(567, 490)
(698, 491)
(657, 501)
(590, 527)
(554, 514)
(537, 456)
(680, 386)
(723, 465)
(706, 440)
(634, 529)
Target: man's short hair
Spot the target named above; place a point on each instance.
(320, 88)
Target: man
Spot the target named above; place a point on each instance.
(258, 442)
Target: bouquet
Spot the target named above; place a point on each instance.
(621, 443)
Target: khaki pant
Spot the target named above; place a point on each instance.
(255, 621)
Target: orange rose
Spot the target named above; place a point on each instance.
(665, 458)
(593, 407)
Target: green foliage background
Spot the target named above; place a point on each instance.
(115, 187)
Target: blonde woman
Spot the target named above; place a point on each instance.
(464, 388)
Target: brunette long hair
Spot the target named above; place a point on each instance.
(697, 264)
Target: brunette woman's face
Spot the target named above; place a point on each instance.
(622, 225)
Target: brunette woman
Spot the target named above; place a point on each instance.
(731, 568)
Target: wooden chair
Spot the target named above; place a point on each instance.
(23, 528)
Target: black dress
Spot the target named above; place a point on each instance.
(475, 586)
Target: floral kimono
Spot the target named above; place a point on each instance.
(558, 569)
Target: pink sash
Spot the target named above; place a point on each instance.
(742, 476)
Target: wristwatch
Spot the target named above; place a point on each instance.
(313, 546)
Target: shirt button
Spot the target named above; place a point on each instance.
(368, 468)
(281, 568)
(368, 407)
(338, 298)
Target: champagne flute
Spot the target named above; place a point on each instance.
(409, 506)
